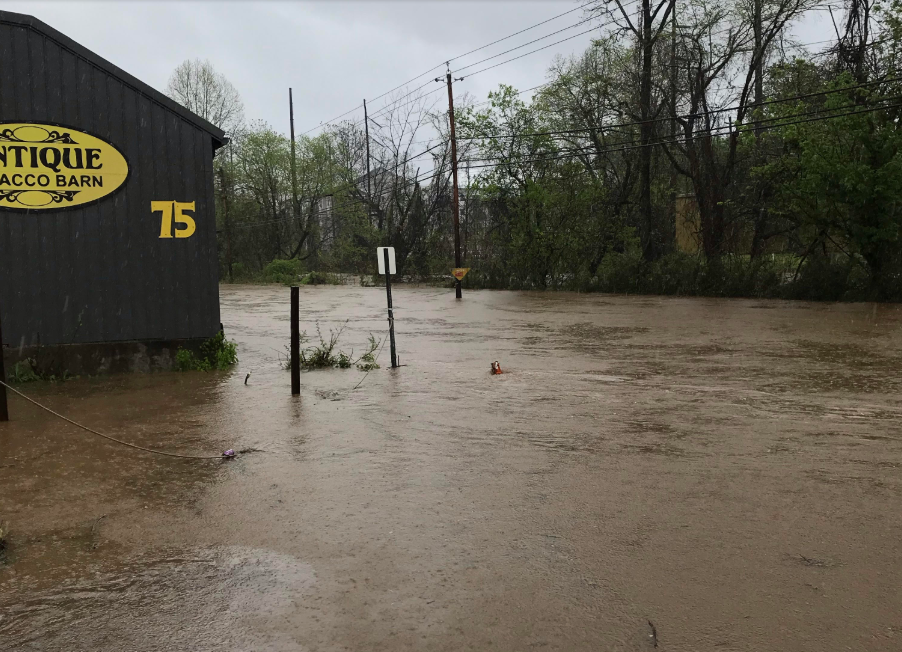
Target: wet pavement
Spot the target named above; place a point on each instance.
(730, 470)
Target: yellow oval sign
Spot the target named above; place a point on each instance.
(47, 167)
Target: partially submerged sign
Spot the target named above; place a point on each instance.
(48, 167)
(460, 272)
(380, 255)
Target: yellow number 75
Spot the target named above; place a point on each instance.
(168, 208)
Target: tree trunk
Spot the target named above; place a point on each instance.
(650, 248)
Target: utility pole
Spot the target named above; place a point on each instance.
(455, 205)
(369, 196)
(294, 173)
(228, 229)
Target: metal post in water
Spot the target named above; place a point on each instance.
(295, 342)
(4, 410)
(391, 315)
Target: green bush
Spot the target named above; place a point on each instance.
(215, 353)
(286, 272)
(23, 372)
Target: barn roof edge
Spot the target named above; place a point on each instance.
(30, 22)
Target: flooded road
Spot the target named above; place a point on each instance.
(730, 470)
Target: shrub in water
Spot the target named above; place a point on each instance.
(324, 356)
(216, 353)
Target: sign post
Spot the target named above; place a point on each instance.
(386, 258)
(459, 273)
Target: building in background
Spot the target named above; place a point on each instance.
(107, 225)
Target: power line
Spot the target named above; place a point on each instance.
(594, 28)
(685, 115)
(482, 47)
(541, 38)
(715, 131)
(495, 56)
(459, 56)
(526, 54)
(328, 122)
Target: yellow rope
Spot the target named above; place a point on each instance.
(100, 434)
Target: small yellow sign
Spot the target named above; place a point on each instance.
(460, 272)
(46, 167)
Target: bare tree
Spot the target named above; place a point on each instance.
(647, 27)
(199, 88)
(720, 52)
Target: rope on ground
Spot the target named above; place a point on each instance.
(113, 439)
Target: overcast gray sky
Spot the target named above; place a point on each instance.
(332, 53)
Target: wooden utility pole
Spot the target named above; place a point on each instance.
(369, 196)
(228, 223)
(455, 206)
(294, 172)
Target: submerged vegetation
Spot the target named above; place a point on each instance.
(325, 355)
(284, 272)
(215, 353)
(29, 371)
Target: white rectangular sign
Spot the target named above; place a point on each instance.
(391, 259)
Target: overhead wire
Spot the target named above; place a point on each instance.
(384, 108)
(482, 47)
(750, 105)
(703, 133)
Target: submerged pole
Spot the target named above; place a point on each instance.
(295, 342)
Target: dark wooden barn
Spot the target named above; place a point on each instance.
(107, 221)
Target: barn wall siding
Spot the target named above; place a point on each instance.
(101, 273)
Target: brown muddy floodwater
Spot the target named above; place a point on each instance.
(729, 470)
